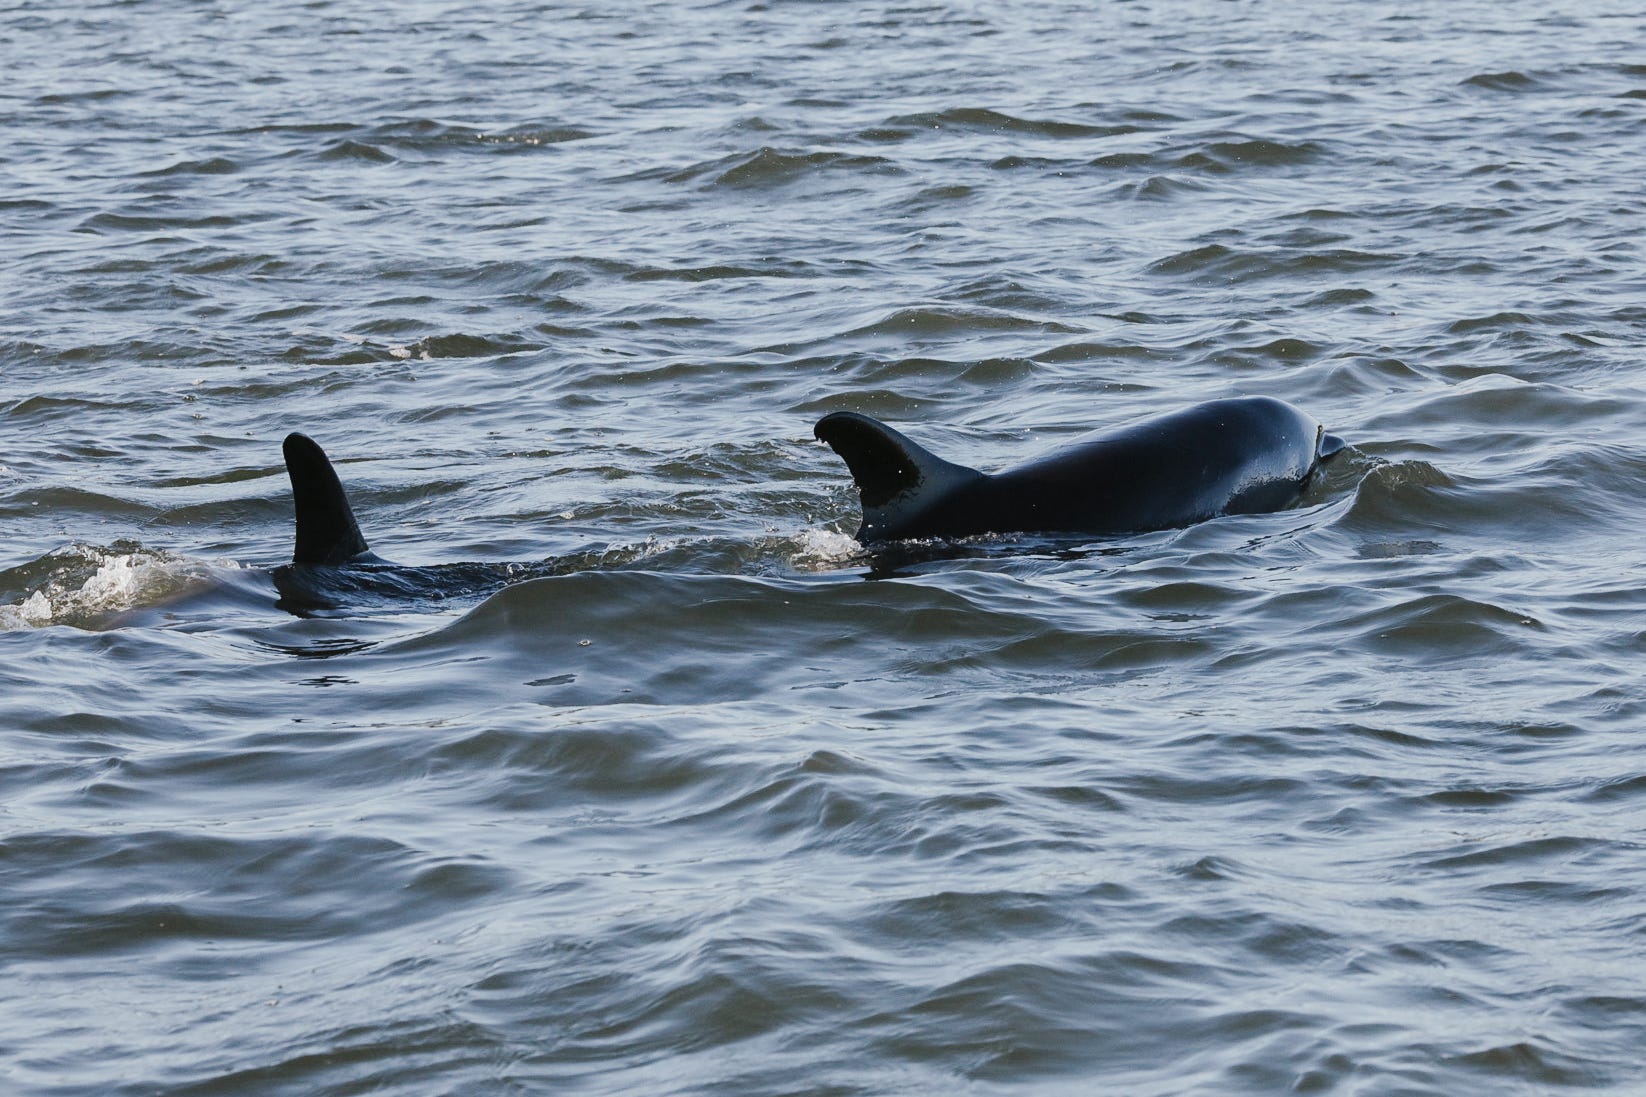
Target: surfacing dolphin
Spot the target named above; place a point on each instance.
(1239, 456)
(331, 561)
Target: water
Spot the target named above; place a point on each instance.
(1344, 799)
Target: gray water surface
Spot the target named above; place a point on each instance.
(678, 790)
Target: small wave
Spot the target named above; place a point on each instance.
(427, 135)
(529, 771)
(1631, 788)
(1221, 261)
(1275, 350)
(1231, 156)
(298, 129)
(1497, 404)
(1528, 1061)
(711, 272)
(157, 222)
(532, 136)
(993, 121)
(1086, 350)
(880, 401)
(358, 151)
(75, 98)
(1017, 294)
(1044, 163)
(1438, 627)
(1341, 296)
(117, 913)
(216, 165)
(1502, 81)
(1194, 260)
(769, 167)
(459, 345)
(727, 637)
(829, 801)
(1157, 188)
(1389, 496)
(1525, 854)
(85, 586)
(1498, 321)
(1121, 160)
(319, 347)
(939, 320)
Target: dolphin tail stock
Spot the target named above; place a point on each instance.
(327, 533)
(896, 479)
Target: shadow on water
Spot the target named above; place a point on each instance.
(907, 559)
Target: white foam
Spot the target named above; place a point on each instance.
(93, 583)
(823, 548)
(31, 612)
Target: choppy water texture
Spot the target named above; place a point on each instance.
(1344, 799)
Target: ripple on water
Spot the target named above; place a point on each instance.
(142, 893)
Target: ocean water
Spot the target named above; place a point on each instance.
(651, 779)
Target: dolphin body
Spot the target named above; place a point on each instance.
(331, 561)
(1238, 456)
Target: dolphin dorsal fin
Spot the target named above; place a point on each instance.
(896, 479)
(327, 533)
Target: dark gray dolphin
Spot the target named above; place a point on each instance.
(331, 564)
(327, 533)
(1238, 456)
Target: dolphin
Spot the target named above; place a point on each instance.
(1236, 456)
(331, 560)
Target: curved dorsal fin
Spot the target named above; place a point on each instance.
(896, 479)
(326, 530)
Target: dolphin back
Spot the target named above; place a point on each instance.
(1234, 456)
(327, 533)
(905, 489)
